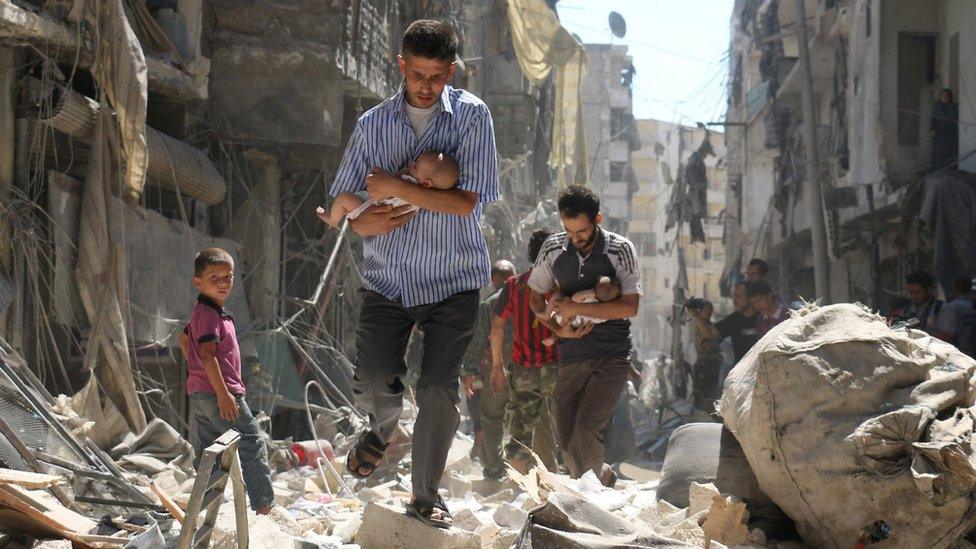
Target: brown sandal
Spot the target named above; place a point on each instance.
(425, 512)
(367, 446)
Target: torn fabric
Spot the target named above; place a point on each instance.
(120, 69)
(101, 284)
(541, 45)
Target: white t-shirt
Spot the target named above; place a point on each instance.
(420, 118)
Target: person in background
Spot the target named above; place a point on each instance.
(476, 368)
(709, 364)
(944, 127)
(898, 309)
(771, 311)
(957, 318)
(756, 270)
(925, 306)
(528, 368)
(740, 326)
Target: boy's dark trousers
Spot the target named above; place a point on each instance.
(253, 453)
(381, 341)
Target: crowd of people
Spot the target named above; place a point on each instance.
(758, 308)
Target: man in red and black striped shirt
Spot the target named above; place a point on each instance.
(532, 370)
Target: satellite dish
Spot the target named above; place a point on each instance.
(617, 24)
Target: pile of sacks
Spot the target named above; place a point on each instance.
(858, 431)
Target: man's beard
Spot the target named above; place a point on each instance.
(588, 242)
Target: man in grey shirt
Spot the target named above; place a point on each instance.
(957, 318)
(594, 357)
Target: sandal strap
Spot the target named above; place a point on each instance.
(371, 444)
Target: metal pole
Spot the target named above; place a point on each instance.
(812, 189)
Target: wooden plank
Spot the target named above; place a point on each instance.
(29, 480)
(44, 509)
(167, 502)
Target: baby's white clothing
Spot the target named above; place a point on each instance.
(395, 202)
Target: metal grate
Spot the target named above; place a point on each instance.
(30, 428)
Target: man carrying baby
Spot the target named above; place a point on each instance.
(594, 357)
(420, 268)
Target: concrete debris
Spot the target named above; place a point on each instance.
(700, 497)
(509, 516)
(727, 521)
(387, 527)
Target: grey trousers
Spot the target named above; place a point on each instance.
(381, 341)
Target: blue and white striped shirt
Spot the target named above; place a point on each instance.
(435, 255)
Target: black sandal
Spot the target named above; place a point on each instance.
(368, 445)
(424, 512)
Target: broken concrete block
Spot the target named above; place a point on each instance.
(727, 521)
(700, 497)
(505, 539)
(387, 527)
(504, 496)
(283, 496)
(461, 465)
(510, 516)
(487, 487)
(465, 519)
(456, 485)
(654, 515)
(369, 495)
(689, 532)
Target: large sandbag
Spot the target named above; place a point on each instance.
(848, 424)
(706, 453)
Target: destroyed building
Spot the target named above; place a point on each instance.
(233, 117)
(133, 134)
(665, 151)
(877, 68)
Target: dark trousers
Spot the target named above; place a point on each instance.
(381, 341)
(583, 402)
(252, 451)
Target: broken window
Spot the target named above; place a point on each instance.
(620, 123)
(916, 68)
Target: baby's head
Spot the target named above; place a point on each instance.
(435, 169)
(606, 289)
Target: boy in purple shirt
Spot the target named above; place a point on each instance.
(213, 357)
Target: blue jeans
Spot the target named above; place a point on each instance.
(252, 451)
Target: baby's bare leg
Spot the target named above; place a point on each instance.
(341, 206)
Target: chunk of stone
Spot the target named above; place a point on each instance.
(510, 516)
(727, 521)
(388, 527)
(700, 497)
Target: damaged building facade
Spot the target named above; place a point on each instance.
(666, 149)
(222, 124)
(877, 68)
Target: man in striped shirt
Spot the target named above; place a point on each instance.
(594, 363)
(531, 374)
(422, 268)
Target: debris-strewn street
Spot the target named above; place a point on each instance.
(487, 274)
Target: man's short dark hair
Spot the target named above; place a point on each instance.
(760, 287)
(578, 199)
(211, 256)
(431, 39)
(921, 278)
(535, 242)
(763, 266)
